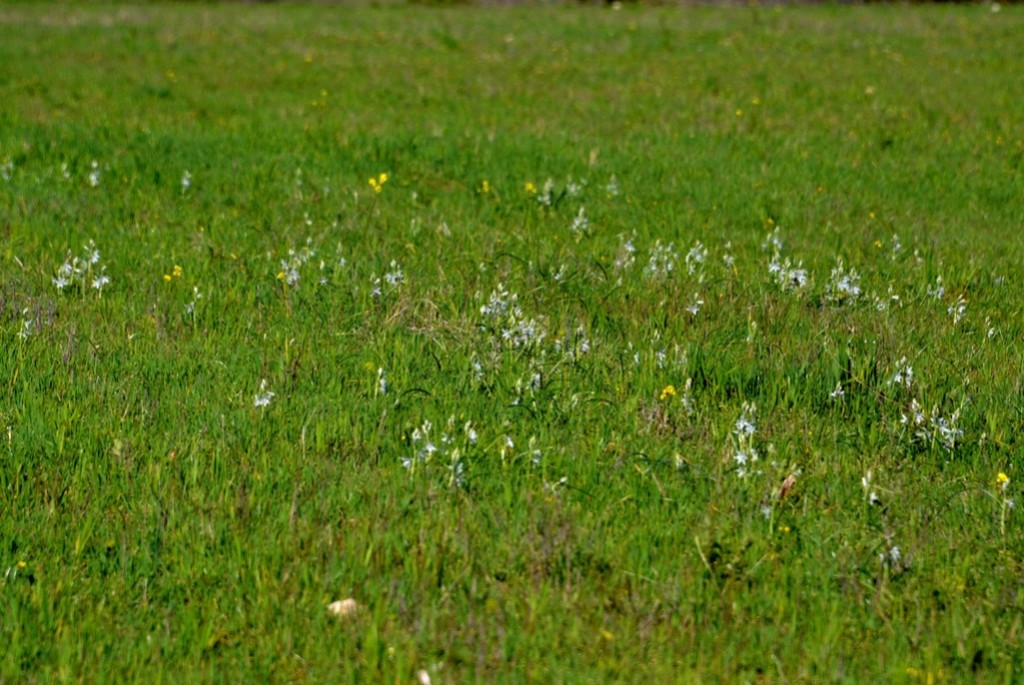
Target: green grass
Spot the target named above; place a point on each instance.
(575, 520)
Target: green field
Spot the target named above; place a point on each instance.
(573, 344)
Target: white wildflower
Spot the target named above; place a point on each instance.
(626, 256)
(844, 285)
(695, 304)
(552, 488)
(394, 277)
(745, 426)
(773, 241)
(63, 278)
(904, 375)
(546, 195)
(786, 275)
(662, 261)
(580, 224)
(727, 258)
(686, 399)
(947, 431)
(612, 188)
(957, 309)
(264, 396)
(695, 257)
(27, 325)
(891, 557)
(100, 280)
(190, 308)
(291, 266)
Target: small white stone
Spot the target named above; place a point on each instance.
(343, 607)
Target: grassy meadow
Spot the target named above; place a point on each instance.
(571, 344)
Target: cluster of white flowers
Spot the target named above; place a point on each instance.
(897, 245)
(727, 259)
(838, 393)
(883, 303)
(190, 307)
(957, 309)
(515, 329)
(891, 558)
(662, 261)
(745, 455)
(391, 282)
(612, 187)
(573, 345)
(844, 284)
(83, 271)
(575, 188)
(695, 259)
(772, 242)
(664, 358)
(785, 274)
(28, 324)
(449, 450)
(686, 398)
(546, 196)
(94, 174)
(869, 491)
(501, 304)
(695, 304)
(580, 223)
(931, 428)
(904, 376)
(296, 259)
(550, 195)
(626, 256)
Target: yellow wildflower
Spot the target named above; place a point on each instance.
(177, 271)
(1002, 480)
(667, 392)
(377, 183)
(485, 187)
(530, 188)
(167, 278)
